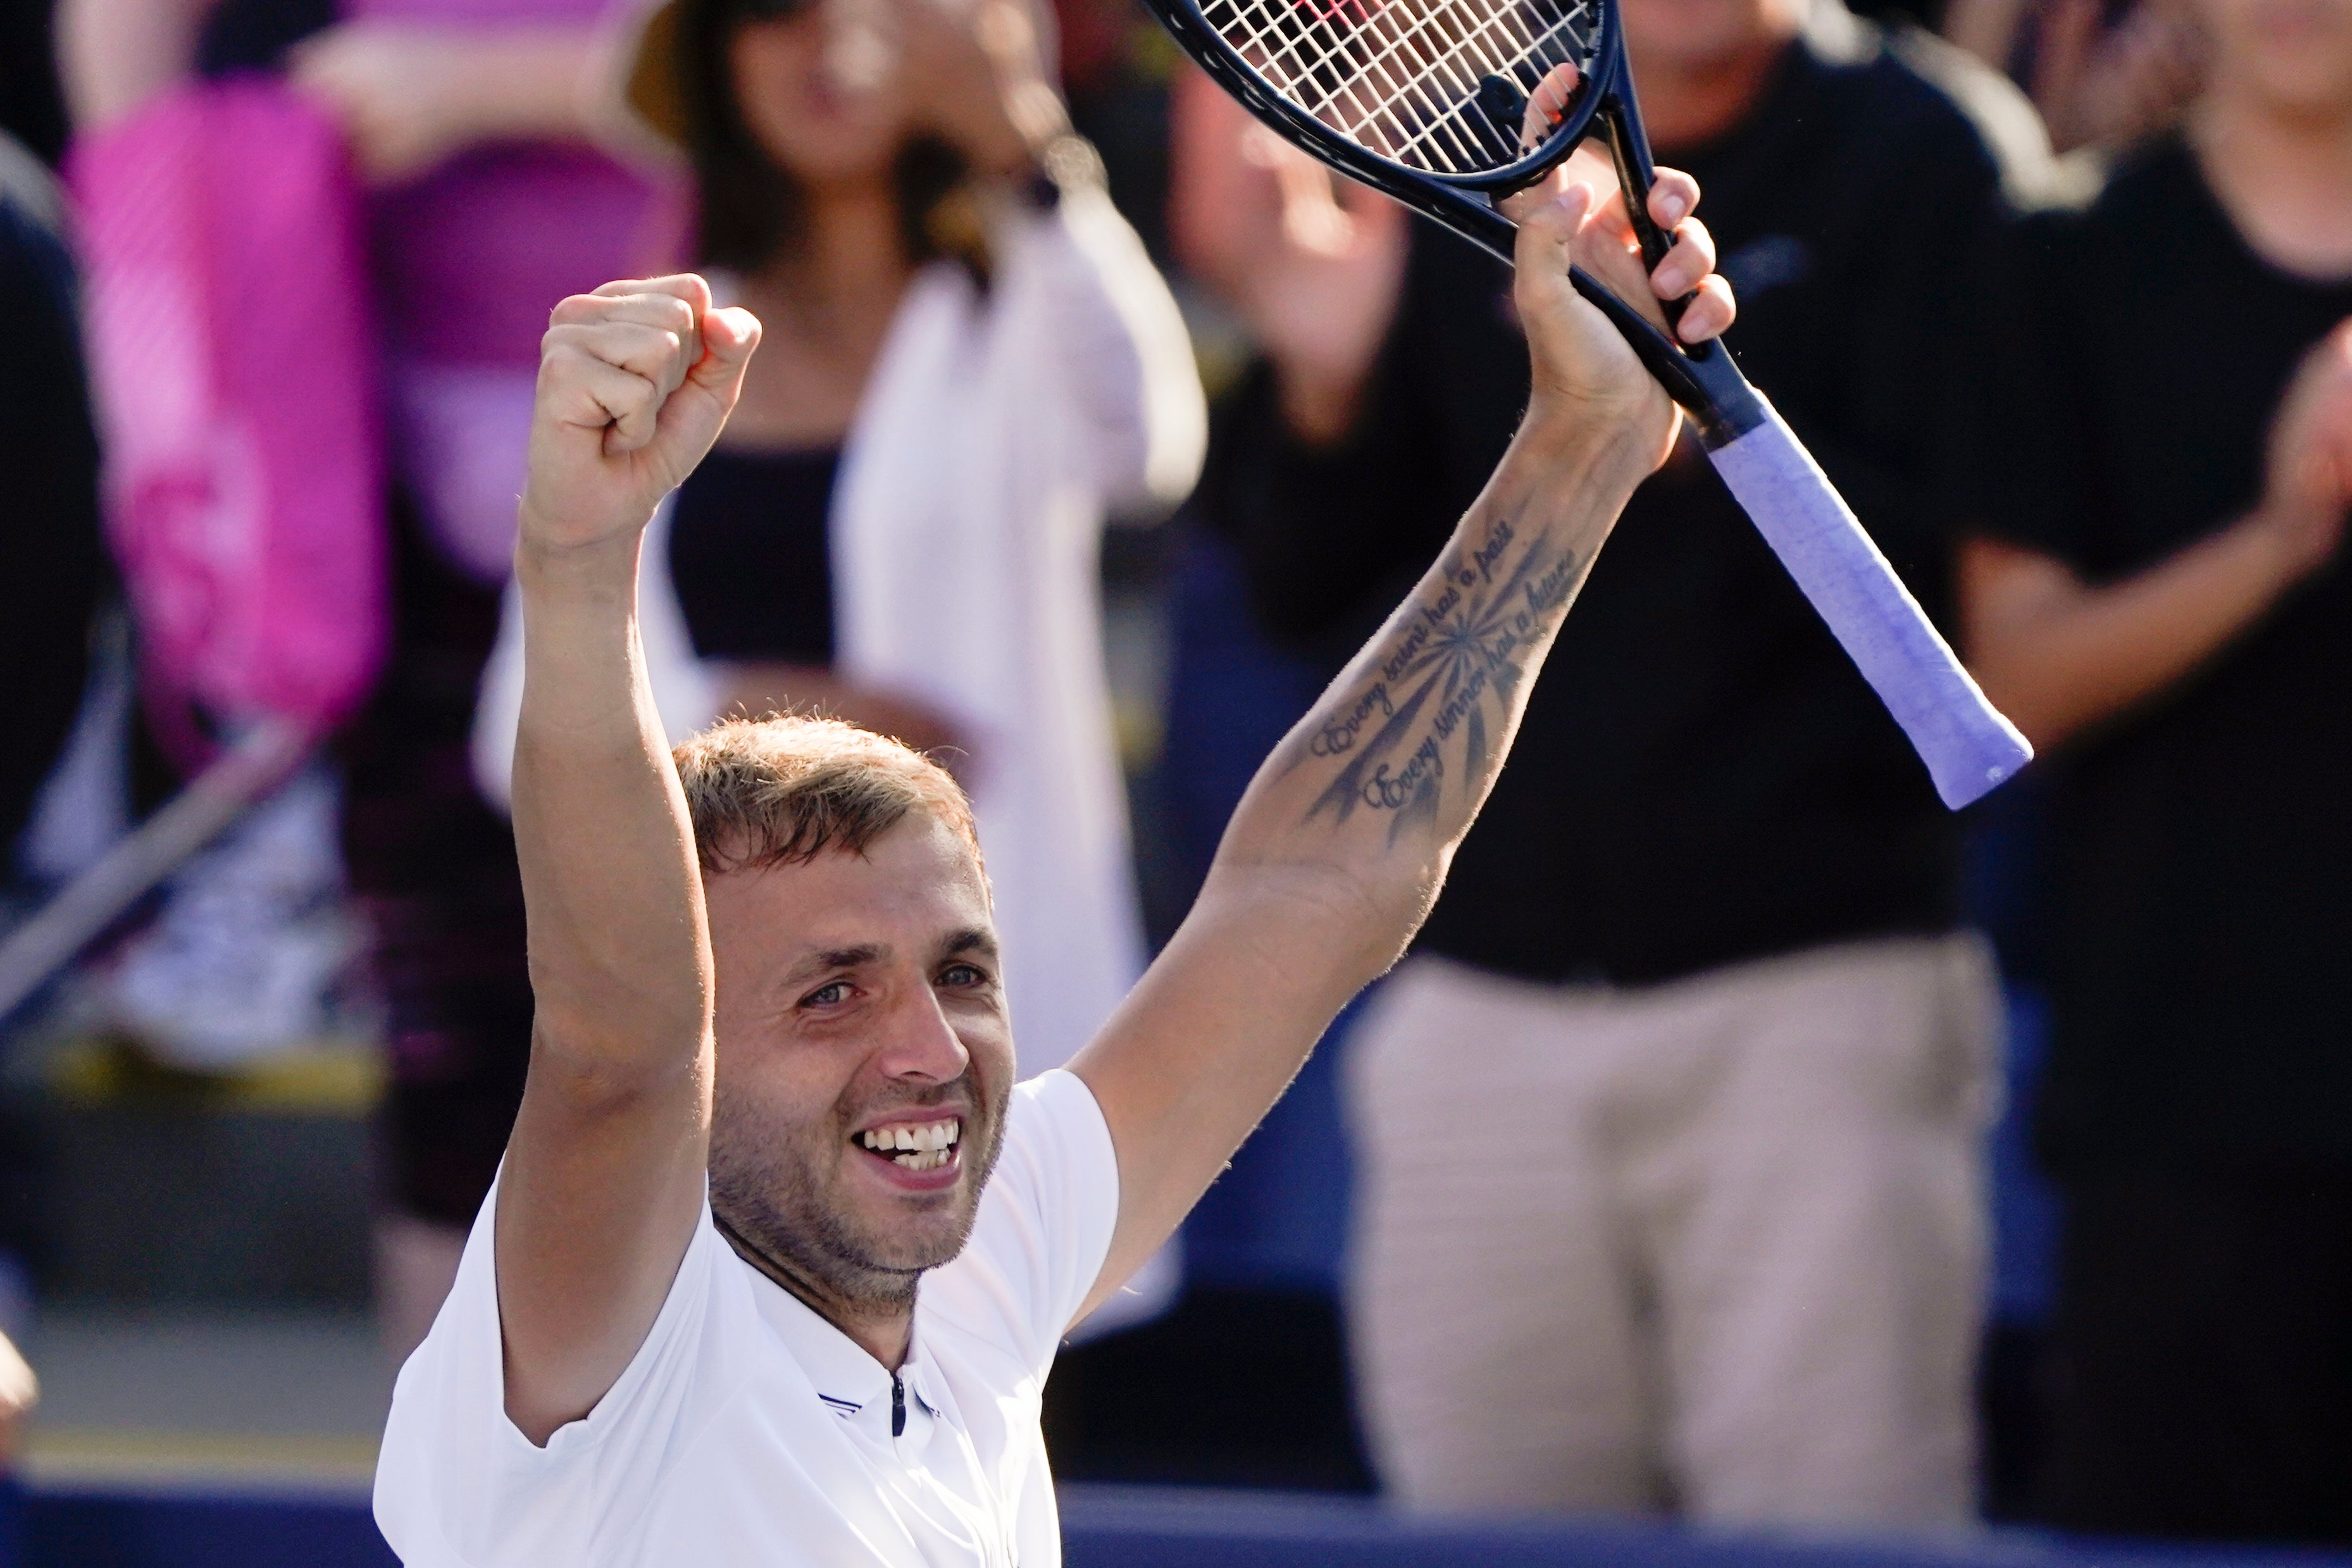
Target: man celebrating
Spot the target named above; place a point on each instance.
(772, 1075)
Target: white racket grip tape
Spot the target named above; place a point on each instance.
(1968, 746)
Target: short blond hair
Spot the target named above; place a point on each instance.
(784, 789)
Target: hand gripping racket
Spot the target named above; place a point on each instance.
(1426, 99)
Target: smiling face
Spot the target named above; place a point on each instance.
(865, 1059)
(819, 91)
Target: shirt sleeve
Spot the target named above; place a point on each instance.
(458, 1484)
(1077, 283)
(2031, 474)
(1044, 1230)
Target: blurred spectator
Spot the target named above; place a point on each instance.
(2158, 591)
(474, 120)
(1671, 1179)
(32, 110)
(968, 361)
(2102, 73)
(52, 556)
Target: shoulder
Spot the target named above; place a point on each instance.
(1927, 104)
(1045, 1223)
(2101, 205)
(1054, 1135)
(455, 1475)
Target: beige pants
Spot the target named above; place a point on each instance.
(1717, 1245)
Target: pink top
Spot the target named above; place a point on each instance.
(468, 260)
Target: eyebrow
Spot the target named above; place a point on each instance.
(970, 939)
(837, 958)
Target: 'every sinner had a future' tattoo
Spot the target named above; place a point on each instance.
(1453, 662)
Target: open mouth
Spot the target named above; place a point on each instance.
(915, 1146)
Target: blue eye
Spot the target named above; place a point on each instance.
(827, 995)
(961, 974)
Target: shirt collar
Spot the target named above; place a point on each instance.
(849, 1380)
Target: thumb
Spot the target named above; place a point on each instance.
(695, 414)
(1548, 231)
(728, 336)
(691, 420)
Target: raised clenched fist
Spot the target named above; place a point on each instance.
(635, 383)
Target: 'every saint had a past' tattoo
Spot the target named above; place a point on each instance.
(1451, 670)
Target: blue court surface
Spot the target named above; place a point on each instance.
(1102, 1527)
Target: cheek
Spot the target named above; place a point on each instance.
(771, 1095)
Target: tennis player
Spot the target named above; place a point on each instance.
(780, 1253)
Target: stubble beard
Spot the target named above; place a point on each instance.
(775, 1190)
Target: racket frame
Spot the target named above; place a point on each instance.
(1700, 378)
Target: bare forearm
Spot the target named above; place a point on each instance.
(620, 960)
(1341, 844)
(114, 54)
(1379, 783)
(2058, 656)
(523, 84)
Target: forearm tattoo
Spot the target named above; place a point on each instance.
(1455, 661)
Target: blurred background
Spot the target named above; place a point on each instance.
(1744, 1208)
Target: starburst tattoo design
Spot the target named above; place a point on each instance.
(1461, 655)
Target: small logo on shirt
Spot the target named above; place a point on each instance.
(1775, 261)
(844, 1408)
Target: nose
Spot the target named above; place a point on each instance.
(919, 1043)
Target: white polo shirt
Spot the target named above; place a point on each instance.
(749, 1432)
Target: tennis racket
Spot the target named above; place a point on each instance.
(1427, 101)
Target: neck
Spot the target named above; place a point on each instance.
(882, 1324)
(1689, 102)
(850, 249)
(2285, 176)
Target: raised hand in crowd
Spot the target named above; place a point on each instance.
(1313, 263)
(2110, 86)
(411, 94)
(977, 72)
(2096, 82)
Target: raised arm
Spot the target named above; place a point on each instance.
(1341, 844)
(603, 1177)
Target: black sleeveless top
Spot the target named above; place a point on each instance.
(751, 558)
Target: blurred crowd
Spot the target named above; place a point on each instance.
(1744, 1137)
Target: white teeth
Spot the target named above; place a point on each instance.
(930, 1138)
(928, 1159)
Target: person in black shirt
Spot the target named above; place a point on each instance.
(2158, 591)
(53, 563)
(1718, 1239)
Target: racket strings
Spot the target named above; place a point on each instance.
(1436, 85)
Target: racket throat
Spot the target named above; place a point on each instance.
(1502, 110)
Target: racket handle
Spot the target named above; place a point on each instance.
(1968, 746)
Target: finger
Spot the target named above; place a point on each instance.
(1548, 233)
(685, 286)
(1710, 311)
(729, 337)
(665, 311)
(581, 389)
(1672, 197)
(656, 354)
(1548, 104)
(1691, 258)
(1605, 246)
